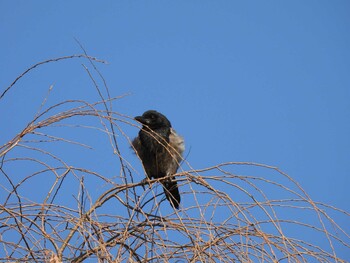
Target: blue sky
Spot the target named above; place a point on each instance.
(255, 81)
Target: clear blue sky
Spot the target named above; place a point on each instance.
(257, 81)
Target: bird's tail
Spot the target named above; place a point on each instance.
(172, 193)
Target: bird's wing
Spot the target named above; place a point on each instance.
(177, 144)
(175, 149)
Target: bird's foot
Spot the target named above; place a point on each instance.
(144, 182)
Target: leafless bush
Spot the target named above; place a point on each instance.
(59, 205)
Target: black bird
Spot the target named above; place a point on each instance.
(160, 149)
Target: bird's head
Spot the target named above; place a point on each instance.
(154, 120)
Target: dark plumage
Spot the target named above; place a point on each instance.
(160, 149)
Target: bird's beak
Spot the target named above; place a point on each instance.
(142, 120)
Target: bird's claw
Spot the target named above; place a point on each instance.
(143, 182)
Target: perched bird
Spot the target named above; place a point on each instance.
(160, 149)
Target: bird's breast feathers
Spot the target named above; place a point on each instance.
(176, 143)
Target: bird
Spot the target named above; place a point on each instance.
(160, 149)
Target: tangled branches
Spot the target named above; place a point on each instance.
(65, 200)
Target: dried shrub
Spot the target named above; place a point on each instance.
(64, 200)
